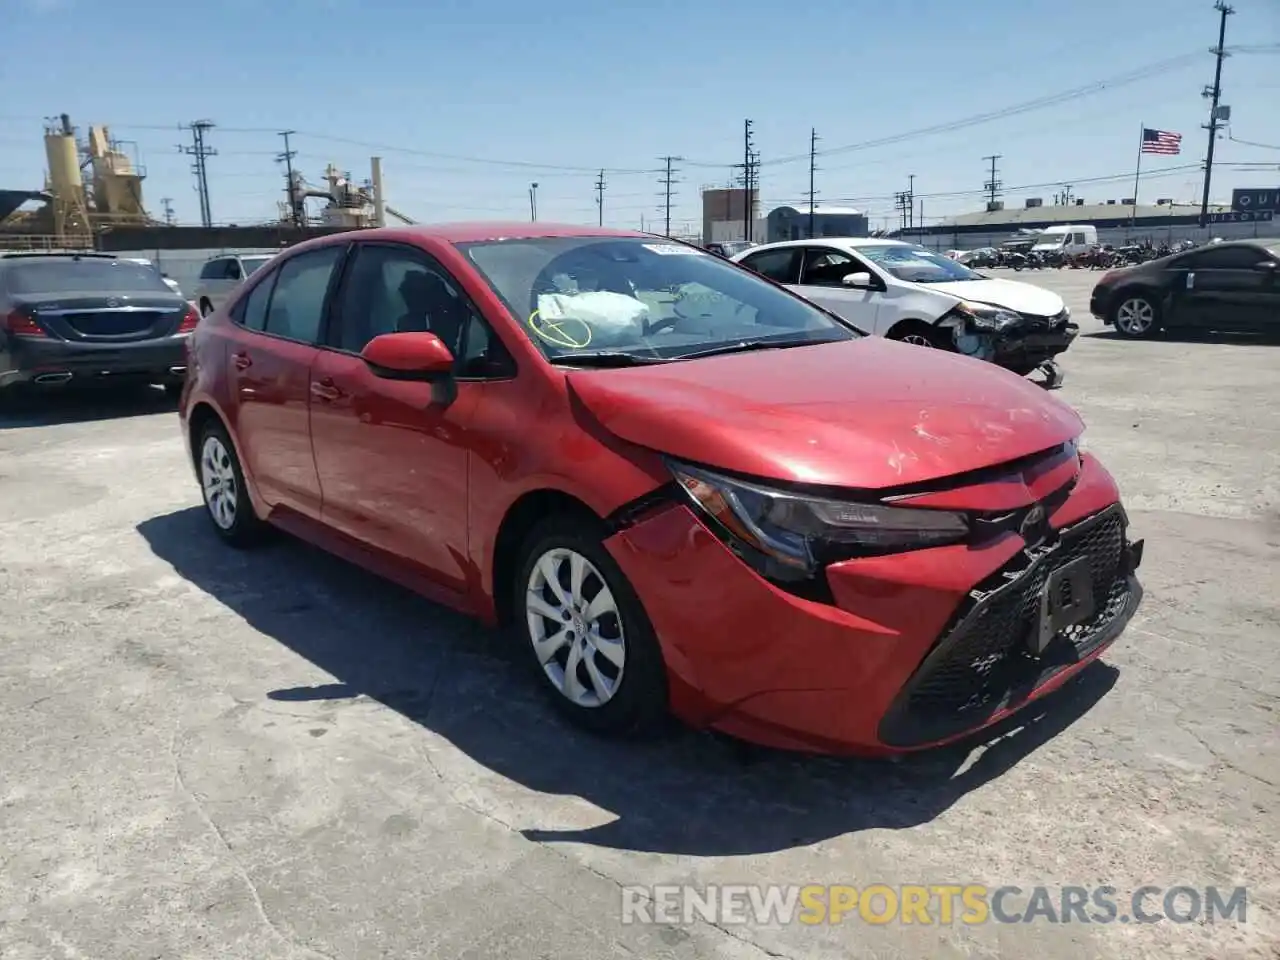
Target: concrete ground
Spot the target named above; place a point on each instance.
(208, 754)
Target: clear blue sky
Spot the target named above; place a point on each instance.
(570, 84)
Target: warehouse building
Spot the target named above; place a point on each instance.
(1118, 222)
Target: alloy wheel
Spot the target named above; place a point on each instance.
(1135, 316)
(218, 479)
(918, 339)
(575, 627)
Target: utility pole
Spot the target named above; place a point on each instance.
(201, 151)
(533, 202)
(911, 200)
(813, 168)
(1214, 93)
(900, 201)
(600, 185)
(748, 178)
(992, 186)
(667, 182)
(287, 159)
(167, 203)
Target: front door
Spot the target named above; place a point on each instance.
(392, 455)
(270, 357)
(822, 281)
(1227, 288)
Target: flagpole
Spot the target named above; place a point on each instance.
(1137, 173)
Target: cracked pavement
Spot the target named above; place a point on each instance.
(207, 754)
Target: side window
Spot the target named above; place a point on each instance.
(392, 289)
(778, 265)
(251, 312)
(483, 352)
(297, 305)
(213, 270)
(233, 270)
(827, 268)
(1077, 238)
(1227, 258)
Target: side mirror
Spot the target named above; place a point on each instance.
(859, 281)
(408, 356)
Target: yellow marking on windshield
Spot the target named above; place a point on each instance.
(553, 331)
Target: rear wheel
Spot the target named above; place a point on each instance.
(226, 498)
(589, 638)
(1136, 316)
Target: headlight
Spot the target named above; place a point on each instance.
(790, 536)
(985, 316)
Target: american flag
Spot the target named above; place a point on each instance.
(1161, 141)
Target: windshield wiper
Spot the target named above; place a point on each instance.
(605, 358)
(743, 346)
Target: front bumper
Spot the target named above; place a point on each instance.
(918, 648)
(1025, 352)
(51, 362)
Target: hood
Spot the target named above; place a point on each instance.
(1022, 297)
(865, 414)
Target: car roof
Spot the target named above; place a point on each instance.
(839, 242)
(480, 231)
(62, 255)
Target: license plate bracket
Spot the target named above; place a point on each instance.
(1066, 599)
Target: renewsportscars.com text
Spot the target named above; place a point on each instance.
(938, 904)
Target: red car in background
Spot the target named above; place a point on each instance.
(685, 488)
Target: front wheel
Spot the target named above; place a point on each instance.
(916, 333)
(589, 637)
(1136, 316)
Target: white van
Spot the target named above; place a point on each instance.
(1069, 238)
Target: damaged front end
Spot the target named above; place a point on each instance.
(1016, 341)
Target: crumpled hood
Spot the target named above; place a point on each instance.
(869, 414)
(1022, 297)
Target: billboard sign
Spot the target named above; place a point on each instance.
(1256, 198)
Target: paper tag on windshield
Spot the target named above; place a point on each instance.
(674, 250)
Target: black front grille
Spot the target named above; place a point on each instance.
(984, 661)
(1036, 323)
(120, 323)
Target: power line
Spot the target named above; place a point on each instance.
(1214, 93)
(201, 151)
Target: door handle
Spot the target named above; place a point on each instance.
(325, 389)
(242, 361)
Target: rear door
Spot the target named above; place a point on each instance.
(274, 346)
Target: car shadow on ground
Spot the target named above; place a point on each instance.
(1262, 338)
(688, 792)
(28, 409)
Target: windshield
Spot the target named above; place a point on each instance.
(85, 276)
(916, 264)
(646, 298)
(1051, 240)
(252, 264)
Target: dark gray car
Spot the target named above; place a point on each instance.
(89, 318)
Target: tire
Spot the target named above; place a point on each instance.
(1136, 316)
(916, 332)
(226, 498)
(626, 692)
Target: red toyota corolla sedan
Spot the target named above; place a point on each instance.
(685, 488)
